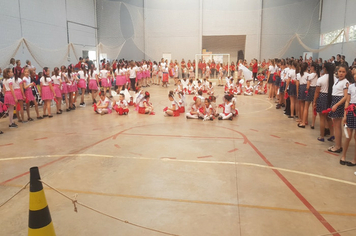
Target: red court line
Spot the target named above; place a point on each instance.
(300, 144)
(40, 138)
(331, 153)
(117, 146)
(180, 136)
(205, 156)
(321, 219)
(70, 133)
(254, 130)
(63, 157)
(275, 136)
(233, 150)
(8, 144)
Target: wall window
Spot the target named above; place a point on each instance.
(349, 35)
(352, 33)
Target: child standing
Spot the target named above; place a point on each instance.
(56, 79)
(29, 95)
(339, 95)
(10, 97)
(93, 82)
(47, 92)
(20, 95)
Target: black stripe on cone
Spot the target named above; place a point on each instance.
(39, 220)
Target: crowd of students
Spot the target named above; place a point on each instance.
(295, 84)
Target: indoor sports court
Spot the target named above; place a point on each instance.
(256, 174)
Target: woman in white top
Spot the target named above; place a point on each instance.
(93, 82)
(339, 95)
(349, 119)
(47, 92)
(132, 75)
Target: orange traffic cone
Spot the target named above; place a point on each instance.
(39, 220)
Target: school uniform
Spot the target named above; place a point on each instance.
(351, 113)
(338, 94)
(322, 100)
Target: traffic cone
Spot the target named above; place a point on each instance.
(39, 220)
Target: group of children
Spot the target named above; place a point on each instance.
(331, 92)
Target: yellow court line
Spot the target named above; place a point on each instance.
(194, 201)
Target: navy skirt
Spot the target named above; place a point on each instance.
(322, 102)
(351, 119)
(270, 81)
(282, 86)
(339, 113)
(301, 93)
(310, 95)
(292, 90)
(278, 80)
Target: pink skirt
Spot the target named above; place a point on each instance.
(154, 73)
(139, 75)
(82, 84)
(120, 80)
(148, 74)
(104, 82)
(29, 94)
(64, 89)
(74, 87)
(46, 93)
(9, 99)
(18, 94)
(93, 85)
(57, 91)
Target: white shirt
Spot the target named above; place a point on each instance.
(45, 82)
(272, 69)
(284, 74)
(323, 83)
(104, 74)
(81, 75)
(132, 72)
(291, 74)
(304, 78)
(313, 78)
(163, 65)
(26, 80)
(56, 79)
(95, 73)
(339, 86)
(16, 84)
(155, 67)
(122, 103)
(7, 83)
(228, 107)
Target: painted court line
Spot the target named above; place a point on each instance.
(36, 139)
(302, 144)
(233, 150)
(117, 146)
(180, 136)
(8, 144)
(275, 136)
(331, 153)
(254, 130)
(205, 156)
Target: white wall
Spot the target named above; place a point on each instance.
(334, 18)
(282, 19)
(43, 23)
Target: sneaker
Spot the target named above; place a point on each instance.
(13, 125)
(220, 118)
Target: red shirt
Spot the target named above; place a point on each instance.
(182, 64)
(254, 68)
(78, 65)
(200, 65)
(212, 65)
(218, 67)
(189, 64)
(232, 67)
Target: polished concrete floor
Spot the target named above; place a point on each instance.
(256, 175)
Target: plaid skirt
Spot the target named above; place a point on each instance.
(351, 119)
(278, 80)
(282, 86)
(339, 113)
(310, 95)
(322, 102)
(301, 92)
